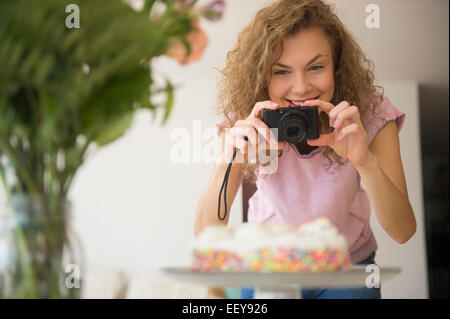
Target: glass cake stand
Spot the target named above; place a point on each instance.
(285, 285)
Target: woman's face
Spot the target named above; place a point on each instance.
(304, 71)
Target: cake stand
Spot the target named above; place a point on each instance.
(284, 285)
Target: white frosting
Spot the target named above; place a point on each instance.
(250, 232)
(315, 235)
(278, 229)
(214, 233)
(215, 237)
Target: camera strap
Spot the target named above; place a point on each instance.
(224, 185)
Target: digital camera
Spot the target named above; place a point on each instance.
(294, 124)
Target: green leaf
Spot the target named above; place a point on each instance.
(169, 102)
(114, 129)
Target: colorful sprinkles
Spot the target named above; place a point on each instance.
(277, 259)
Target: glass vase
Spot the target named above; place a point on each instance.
(39, 253)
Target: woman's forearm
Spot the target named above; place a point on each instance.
(391, 205)
(206, 210)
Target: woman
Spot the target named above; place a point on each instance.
(295, 53)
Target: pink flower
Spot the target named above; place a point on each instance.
(214, 10)
(198, 41)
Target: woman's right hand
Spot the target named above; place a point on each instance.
(256, 132)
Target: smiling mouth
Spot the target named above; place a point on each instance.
(297, 103)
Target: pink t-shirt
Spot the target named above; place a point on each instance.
(301, 189)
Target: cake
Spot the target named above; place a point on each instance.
(312, 247)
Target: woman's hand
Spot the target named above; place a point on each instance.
(256, 131)
(349, 138)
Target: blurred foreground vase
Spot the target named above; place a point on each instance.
(39, 255)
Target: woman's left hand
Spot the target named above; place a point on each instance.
(349, 138)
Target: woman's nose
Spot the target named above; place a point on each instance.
(300, 86)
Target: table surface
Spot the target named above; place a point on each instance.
(356, 276)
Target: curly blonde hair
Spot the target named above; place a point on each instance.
(248, 66)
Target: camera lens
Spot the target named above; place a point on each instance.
(293, 127)
(293, 131)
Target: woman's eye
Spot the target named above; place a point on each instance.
(281, 72)
(316, 66)
(313, 68)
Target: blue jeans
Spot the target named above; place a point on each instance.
(335, 293)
